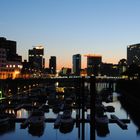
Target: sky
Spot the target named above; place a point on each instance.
(67, 27)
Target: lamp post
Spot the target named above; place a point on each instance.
(29, 88)
(18, 89)
(0, 94)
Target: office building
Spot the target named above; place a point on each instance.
(3, 57)
(10, 49)
(109, 69)
(10, 61)
(133, 54)
(93, 64)
(52, 65)
(35, 57)
(76, 64)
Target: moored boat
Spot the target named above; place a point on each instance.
(37, 118)
(103, 120)
(36, 123)
(67, 122)
(102, 125)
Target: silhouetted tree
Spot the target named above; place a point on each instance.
(133, 71)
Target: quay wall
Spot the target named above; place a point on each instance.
(18, 85)
(131, 87)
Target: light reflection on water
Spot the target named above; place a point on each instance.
(50, 133)
(22, 113)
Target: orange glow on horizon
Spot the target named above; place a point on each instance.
(68, 64)
(92, 55)
(111, 60)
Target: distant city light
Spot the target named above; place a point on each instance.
(39, 47)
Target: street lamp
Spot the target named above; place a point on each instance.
(18, 89)
(29, 88)
(0, 94)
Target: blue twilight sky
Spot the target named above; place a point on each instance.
(67, 27)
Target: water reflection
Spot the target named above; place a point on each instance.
(101, 118)
(66, 129)
(36, 131)
(133, 110)
(7, 128)
(22, 113)
(53, 100)
(102, 130)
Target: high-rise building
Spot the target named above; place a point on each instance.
(76, 64)
(35, 57)
(3, 56)
(93, 64)
(10, 49)
(52, 64)
(133, 54)
(10, 61)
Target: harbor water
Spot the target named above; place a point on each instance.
(115, 132)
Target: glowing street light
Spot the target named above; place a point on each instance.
(0, 94)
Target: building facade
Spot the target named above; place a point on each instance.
(76, 62)
(35, 57)
(109, 69)
(3, 57)
(133, 54)
(52, 65)
(10, 61)
(93, 64)
(11, 49)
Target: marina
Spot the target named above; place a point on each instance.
(69, 70)
(63, 111)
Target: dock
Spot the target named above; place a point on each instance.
(114, 119)
(19, 107)
(49, 120)
(119, 121)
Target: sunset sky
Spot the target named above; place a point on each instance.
(67, 27)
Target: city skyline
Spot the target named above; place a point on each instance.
(65, 28)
